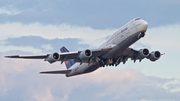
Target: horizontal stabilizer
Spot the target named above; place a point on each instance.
(56, 72)
(28, 57)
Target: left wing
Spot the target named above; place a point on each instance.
(86, 56)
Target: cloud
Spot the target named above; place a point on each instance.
(42, 94)
(92, 13)
(86, 35)
(164, 36)
(39, 45)
(9, 10)
(5, 48)
(21, 76)
(18, 34)
(47, 47)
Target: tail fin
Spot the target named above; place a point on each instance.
(70, 62)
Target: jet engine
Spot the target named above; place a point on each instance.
(53, 58)
(142, 53)
(155, 55)
(85, 54)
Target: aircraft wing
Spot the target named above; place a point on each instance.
(56, 72)
(79, 56)
(137, 55)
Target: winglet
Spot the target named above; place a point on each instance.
(163, 54)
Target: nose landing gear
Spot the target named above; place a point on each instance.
(142, 34)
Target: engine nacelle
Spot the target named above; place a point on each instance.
(53, 57)
(143, 53)
(153, 56)
(85, 54)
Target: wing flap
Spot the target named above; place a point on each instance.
(56, 72)
(68, 55)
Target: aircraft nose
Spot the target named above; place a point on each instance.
(144, 25)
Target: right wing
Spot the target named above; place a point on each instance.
(133, 55)
(141, 54)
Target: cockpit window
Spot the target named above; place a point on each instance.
(137, 19)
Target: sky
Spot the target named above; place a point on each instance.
(31, 27)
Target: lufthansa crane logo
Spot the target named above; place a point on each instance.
(66, 62)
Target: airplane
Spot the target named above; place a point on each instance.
(112, 52)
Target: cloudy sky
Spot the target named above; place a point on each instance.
(41, 27)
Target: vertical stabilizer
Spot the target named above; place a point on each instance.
(70, 62)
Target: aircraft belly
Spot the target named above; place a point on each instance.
(83, 68)
(92, 68)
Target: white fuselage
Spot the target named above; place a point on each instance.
(119, 41)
